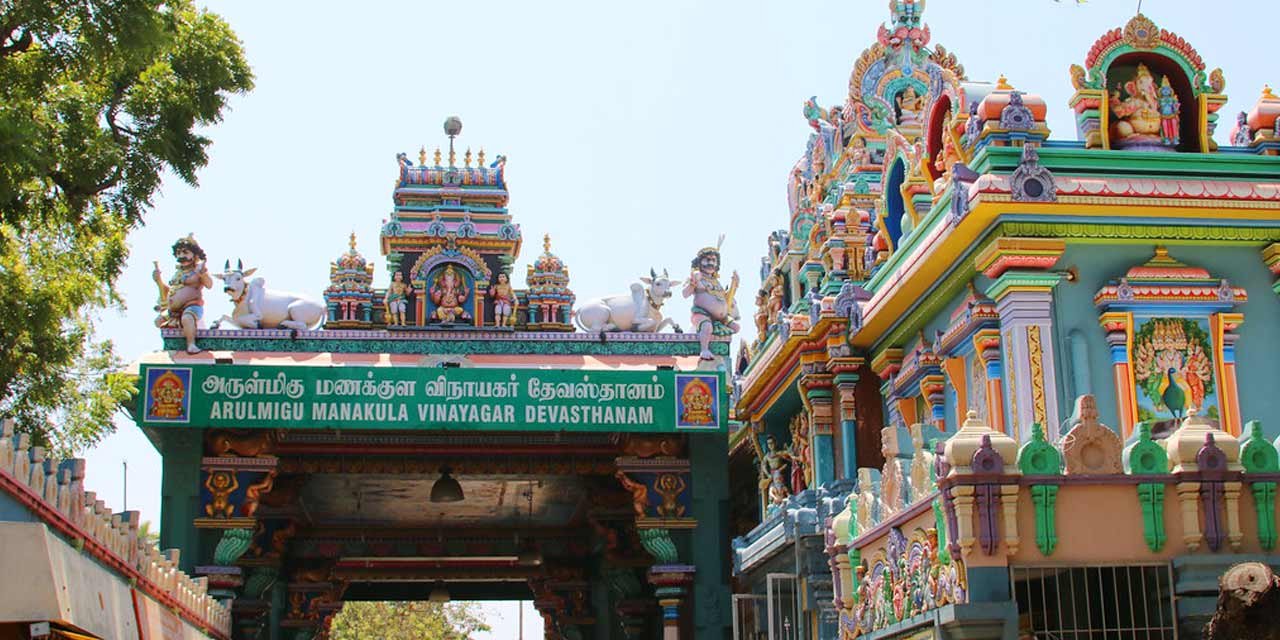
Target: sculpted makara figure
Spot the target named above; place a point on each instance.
(181, 301)
(641, 310)
(257, 307)
(713, 311)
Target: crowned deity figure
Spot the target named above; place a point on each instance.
(1137, 120)
(449, 293)
(181, 302)
(774, 468)
(910, 107)
(397, 299)
(1169, 121)
(504, 301)
(713, 310)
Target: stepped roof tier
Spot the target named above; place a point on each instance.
(976, 342)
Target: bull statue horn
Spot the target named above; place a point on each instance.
(226, 266)
(239, 265)
(664, 272)
(652, 273)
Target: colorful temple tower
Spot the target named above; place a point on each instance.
(443, 436)
(1003, 383)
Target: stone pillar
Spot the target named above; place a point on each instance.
(886, 365)
(845, 380)
(1025, 302)
(815, 389)
(1023, 292)
(1224, 326)
(180, 494)
(1119, 328)
(986, 345)
(671, 584)
(709, 474)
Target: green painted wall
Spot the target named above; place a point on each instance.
(180, 452)
(709, 457)
(1257, 363)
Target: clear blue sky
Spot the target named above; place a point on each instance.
(636, 132)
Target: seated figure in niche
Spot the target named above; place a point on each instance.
(449, 293)
(1139, 120)
(910, 107)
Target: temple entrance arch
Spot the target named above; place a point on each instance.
(318, 482)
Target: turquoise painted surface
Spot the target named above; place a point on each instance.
(1257, 361)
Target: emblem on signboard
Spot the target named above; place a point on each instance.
(697, 402)
(167, 398)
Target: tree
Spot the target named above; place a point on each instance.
(407, 621)
(97, 101)
(148, 533)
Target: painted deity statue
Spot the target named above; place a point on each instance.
(774, 467)
(449, 293)
(947, 157)
(504, 301)
(1137, 119)
(713, 311)
(181, 301)
(801, 458)
(910, 107)
(397, 299)
(1169, 121)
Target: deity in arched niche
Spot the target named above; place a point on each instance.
(1136, 119)
(909, 107)
(449, 293)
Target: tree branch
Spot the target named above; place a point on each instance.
(14, 45)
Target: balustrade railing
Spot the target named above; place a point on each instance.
(54, 490)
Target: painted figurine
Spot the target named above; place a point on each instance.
(397, 299)
(713, 310)
(1169, 121)
(449, 293)
(774, 467)
(1137, 118)
(504, 301)
(182, 298)
(910, 107)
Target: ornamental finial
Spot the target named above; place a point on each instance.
(1266, 93)
(452, 127)
(437, 157)
(352, 242)
(422, 156)
(546, 243)
(1002, 84)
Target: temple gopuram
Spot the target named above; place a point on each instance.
(438, 434)
(1007, 385)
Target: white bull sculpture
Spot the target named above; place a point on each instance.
(641, 310)
(257, 307)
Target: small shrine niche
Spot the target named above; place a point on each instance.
(1146, 89)
(1172, 332)
(349, 297)
(550, 301)
(450, 243)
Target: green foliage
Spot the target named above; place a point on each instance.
(97, 100)
(148, 533)
(407, 621)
